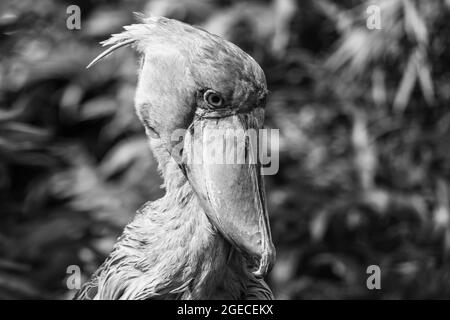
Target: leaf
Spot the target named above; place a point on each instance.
(407, 83)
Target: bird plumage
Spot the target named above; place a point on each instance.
(172, 249)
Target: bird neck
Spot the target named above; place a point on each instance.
(202, 261)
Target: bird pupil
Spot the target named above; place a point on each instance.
(215, 99)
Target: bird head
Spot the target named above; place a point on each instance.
(203, 98)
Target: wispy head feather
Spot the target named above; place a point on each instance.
(108, 51)
(133, 34)
(210, 58)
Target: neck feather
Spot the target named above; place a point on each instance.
(200, 260)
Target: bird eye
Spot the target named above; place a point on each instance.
(213, 99)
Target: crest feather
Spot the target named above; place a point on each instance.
(109, 50)
(132, 34)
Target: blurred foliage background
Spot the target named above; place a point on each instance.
(364, 141)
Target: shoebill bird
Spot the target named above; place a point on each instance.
(209, 236)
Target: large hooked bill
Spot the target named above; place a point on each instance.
(220, 159)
